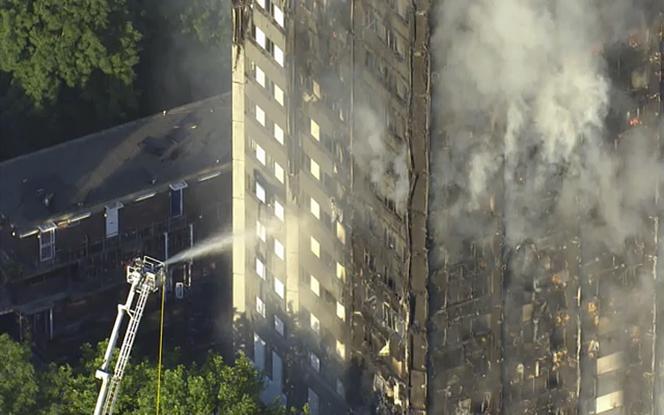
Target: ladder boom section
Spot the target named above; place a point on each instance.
(125, 351)
(145, 275)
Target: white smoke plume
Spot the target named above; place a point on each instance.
(525, 93)
(386, 160)
(532, 142)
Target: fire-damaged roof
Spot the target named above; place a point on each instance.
(122, 162)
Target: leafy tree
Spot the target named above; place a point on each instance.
(185, 389)
(208, 20)
(72, 67)
(45, 44)
(237, 387)
(18, 383)
(64, 390)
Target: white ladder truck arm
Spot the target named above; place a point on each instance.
(145, 276)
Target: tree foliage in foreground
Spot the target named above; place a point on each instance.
(185, 390)
(18, 383)
(208, 20)
(45, 44)
(72, 67)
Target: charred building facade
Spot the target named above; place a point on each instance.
(620, 305)
(561, 318)
(71, 216)
(348, 294)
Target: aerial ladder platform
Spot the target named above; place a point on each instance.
(145, 275)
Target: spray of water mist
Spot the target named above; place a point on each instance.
(216, 244)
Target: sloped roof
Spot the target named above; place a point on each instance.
(114, 163)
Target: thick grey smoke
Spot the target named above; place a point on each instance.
(385, 159)
(525, 93)
(532, 146)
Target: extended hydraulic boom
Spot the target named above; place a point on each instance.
(145, 275)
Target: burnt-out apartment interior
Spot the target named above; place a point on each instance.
(69, 226)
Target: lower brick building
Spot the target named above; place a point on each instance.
(71, 216)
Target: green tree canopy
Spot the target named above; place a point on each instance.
(185, 389)
(18, 383)
(45, 44)
(72, 67)
(208, 20)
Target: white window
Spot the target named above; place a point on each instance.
(341, 349)
(278, 134)
(279, 172)
(314, 285)
(341, 391)
(278, 15)
(314, 168)
(313, 401)
(47, 242)
(314, 207)
(261, 3)
(315, 130)
(259, 352)
(314, 361)
(176, 194)
(341, 311)
(261, 155)
(260, 115)
(279, 210)
(279, 95)
(278, 55)
(260, 268)
(260, 192)
(112, 219)
(609, 401)
(279, 249)
(260, 76)
(314, 323)
(260, 306)
(341, 233)
(341, 271)
(260, 38)
(279, 325)
(261, 231)
(277, 370)
(279, 288)
(315, 246)
(315, 88)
